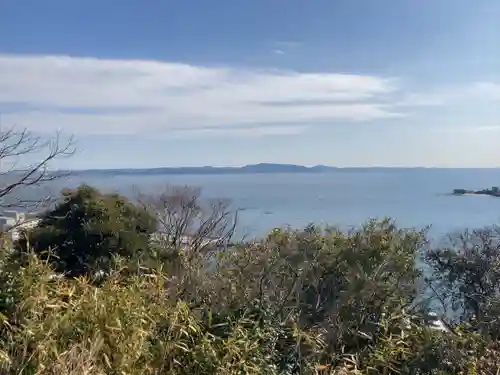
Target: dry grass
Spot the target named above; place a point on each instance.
(127, 325)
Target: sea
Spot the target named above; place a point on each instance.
(413, 197)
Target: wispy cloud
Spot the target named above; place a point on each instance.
(471, 93)
(282, 47)
(488, 128)
(469, 129)
(87, 95)
(241, 131)
(95, 96)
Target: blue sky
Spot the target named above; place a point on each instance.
(168, 83)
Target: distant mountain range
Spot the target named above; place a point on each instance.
(209, 170)
(247, 169)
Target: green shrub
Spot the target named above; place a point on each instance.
(86, 228)
(130, 326)
(312, 301)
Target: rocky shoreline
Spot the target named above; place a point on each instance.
(494, 192)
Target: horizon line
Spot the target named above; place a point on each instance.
(277, 165)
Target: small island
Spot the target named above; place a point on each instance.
(494, 192)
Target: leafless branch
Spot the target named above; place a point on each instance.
(187, 221)
(18, 147)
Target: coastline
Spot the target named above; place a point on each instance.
(474, 194)
(492, 192)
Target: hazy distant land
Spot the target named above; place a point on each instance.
(210, 170)
(247, 169)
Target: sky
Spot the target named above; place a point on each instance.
(156, 83)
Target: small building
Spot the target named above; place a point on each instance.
(12, 223)
(187, 241)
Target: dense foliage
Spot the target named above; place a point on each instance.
(86, 228)
(312, 301)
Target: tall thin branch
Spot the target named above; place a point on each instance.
(18, 148)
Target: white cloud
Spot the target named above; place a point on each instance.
(88, 95)
(465, 94)
(95, 96)
(242, 131)
(421, 100)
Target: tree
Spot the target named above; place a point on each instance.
(187, 221)
(17, 171)
(466, 278)
(86, 228)
(340, 283)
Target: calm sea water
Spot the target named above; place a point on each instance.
(414, 197)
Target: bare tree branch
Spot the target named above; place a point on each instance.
(17, 170)
(186, 221)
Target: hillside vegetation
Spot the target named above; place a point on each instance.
(92, 291)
